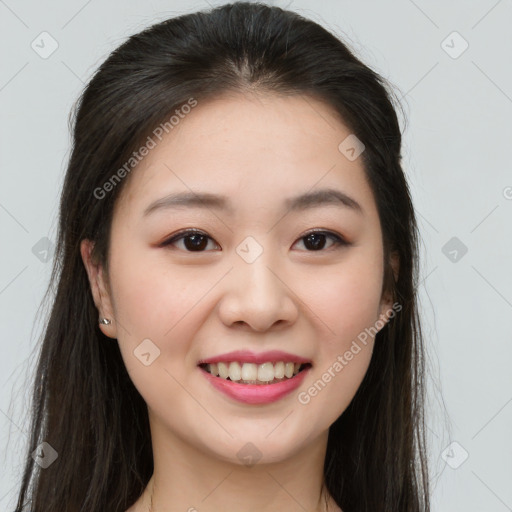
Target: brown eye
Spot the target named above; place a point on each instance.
(197, 241)
(316, 240)
(193, 240)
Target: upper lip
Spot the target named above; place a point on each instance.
(247, 356)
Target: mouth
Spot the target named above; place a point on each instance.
(271, 372)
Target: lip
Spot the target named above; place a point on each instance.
(256, 394)
(247, 356)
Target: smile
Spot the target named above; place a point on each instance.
(257, 374)
(253, 391)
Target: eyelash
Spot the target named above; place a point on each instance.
(339, 241)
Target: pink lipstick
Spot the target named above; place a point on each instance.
(256, 393)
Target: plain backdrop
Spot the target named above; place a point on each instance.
(450, 63)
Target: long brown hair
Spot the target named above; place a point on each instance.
(84, 403)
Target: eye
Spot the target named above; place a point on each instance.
(196, 241)
(316, 240)
(193, 240)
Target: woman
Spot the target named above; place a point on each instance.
(235, 322)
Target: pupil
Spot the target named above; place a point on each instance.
(198, 242)
(315, 242)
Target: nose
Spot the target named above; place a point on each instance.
(258, 296)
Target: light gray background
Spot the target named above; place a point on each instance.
(456, 155)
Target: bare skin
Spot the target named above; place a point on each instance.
(313, 302)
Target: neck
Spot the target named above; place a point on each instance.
(192, 480)
(325, 503)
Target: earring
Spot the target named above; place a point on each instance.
(105, 321)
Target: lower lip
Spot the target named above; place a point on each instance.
(256, 393)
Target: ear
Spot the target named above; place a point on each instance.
(386, 304)
(99, 288)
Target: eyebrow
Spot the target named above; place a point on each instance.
(322, 197)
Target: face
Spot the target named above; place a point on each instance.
(262, 273)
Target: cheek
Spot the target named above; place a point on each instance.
(346, 297)
(149, 299)
(346, 307)
(351, 301)
(151, 304)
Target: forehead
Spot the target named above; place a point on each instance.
(255, 148)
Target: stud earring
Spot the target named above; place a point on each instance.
(105, 321)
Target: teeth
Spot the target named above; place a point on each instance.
(223, 370)
(250, 373)
(235, 371)
(279, 370)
